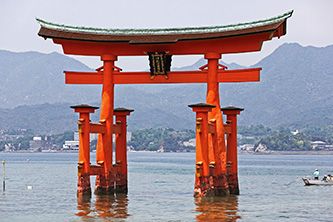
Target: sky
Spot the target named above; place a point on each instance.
(311, 23)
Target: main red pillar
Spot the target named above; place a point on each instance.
(105, 181)
(84, 147)
(121, 149)
(216, 142)
(232, 157)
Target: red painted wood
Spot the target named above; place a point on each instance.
(239, 75)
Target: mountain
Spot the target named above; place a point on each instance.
(44, 118)
(296, 87)
(33, 78)
(295, 90)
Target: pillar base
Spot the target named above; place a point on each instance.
(221, 192)
(233, 184)
(83, 185)
(104, 185)
(204, 187)
(211, 192)
(222, 188)
(212, 187)
(121, 189)
(121, 184)
(200, 186)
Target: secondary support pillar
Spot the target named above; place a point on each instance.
(105, 181)
(216, 142)
(232, 158)
(201, 186)
(83, 185)
(121, 149)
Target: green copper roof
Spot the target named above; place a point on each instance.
(164, 31)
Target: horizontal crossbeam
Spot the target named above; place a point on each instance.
(116, 128)
(96, 170)
(227, 128)
(97, 128)
(238, 75)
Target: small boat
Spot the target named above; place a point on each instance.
(326, 181)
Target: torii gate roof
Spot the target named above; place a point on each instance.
(190, 40)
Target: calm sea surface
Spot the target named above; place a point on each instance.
(42, 187)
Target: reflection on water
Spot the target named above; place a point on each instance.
(83, 206)
(217, 209)
(104, 207)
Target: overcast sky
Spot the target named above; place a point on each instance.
(311, 23)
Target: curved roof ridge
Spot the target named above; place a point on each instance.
(164, 31)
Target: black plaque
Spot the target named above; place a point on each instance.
(160, 63)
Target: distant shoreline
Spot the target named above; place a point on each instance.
(288, 153)
(240, 152)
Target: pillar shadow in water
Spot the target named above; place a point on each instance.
(107, 207)
(83, 207)
(217, 209)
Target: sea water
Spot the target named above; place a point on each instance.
(42, 187)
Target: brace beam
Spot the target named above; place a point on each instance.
(238, 75)
(97, 128)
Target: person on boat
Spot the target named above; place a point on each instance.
(327, 178)
(316, 174)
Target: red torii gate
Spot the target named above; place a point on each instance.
(216, 158)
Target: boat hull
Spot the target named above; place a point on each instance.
(311, 182)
